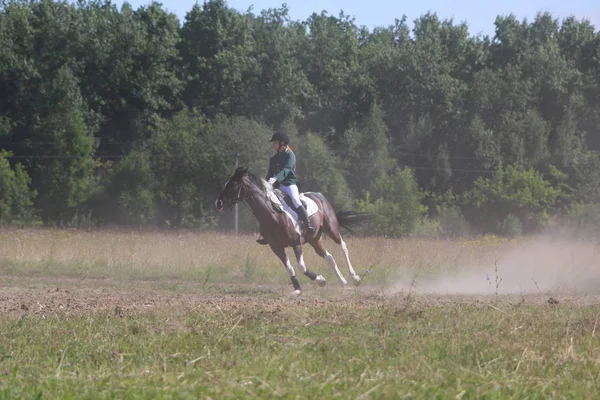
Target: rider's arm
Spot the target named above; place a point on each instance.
(272, 170)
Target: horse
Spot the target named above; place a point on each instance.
(281, 228)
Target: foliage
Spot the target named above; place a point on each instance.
(174, 178)
(584, 220)
(366, 152)
(88, 85)
(131, 191)
(511, 194)
(16, 195)
(395, 202)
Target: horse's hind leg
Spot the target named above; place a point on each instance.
(280, 252)
(300, 257)
(353, 274)
(318, 246)
(337, 238)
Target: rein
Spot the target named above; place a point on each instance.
(245, 199)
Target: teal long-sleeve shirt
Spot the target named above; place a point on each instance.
(281, 166)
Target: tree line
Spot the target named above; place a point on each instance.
(122, 116)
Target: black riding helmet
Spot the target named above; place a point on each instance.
(280, 137)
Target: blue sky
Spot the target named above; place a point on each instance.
(480, 15)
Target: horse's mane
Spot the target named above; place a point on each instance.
(260, 182)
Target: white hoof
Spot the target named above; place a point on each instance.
(296, 293)
(321, 280)
(357, 280)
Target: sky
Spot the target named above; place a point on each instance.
(479, 14)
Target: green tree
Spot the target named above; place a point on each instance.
(395, 203)
(130, 193)
(281, 87)
(216, 51)
(366, 152)
(511, 193)
(330, 59)
(127, 68)
(16, 195)
(64, 164)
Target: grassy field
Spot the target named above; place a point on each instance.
(115, 314)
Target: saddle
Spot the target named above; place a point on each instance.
(284, 200)
(288, 200)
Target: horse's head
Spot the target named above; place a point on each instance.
(232, 192)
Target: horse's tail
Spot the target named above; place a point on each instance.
(349, 219)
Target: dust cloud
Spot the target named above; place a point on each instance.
(541, 265)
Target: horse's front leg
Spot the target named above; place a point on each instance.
(300, 258)
(280, 252)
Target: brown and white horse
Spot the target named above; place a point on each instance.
(281, 229)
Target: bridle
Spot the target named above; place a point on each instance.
(238, 198)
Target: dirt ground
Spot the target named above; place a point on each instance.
(48, 296)
(44, 297)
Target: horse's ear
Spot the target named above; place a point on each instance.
(240, 172)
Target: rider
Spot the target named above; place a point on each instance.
(281, 171)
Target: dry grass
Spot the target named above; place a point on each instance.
(212, 258)
(444, 266)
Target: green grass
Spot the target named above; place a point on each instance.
(219, 324)
(382, 350)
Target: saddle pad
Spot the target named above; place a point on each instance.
(311, 207)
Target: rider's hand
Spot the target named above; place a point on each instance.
(272, 180)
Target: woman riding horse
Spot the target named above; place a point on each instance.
(280, 229)
(281, 172)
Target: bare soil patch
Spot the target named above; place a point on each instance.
(44, 297)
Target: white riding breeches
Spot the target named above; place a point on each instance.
(292, 191)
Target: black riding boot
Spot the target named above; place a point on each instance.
(304, 217)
